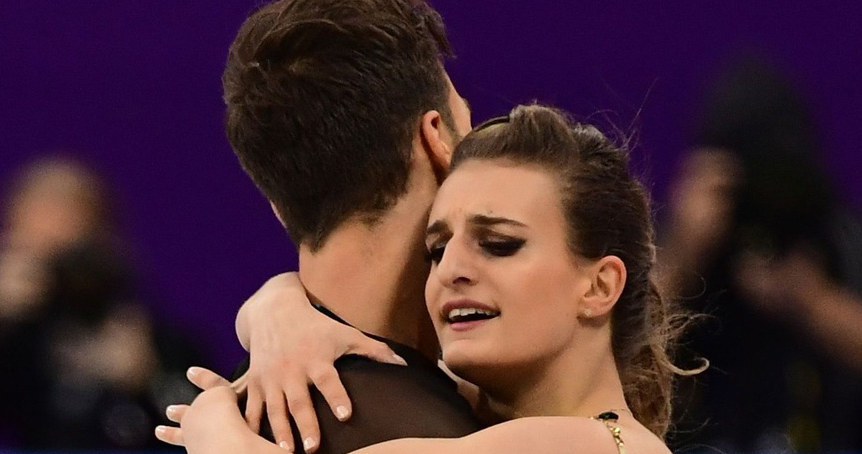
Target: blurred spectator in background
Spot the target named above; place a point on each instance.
(758, 239)
(84, 366)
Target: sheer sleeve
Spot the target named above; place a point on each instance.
(389, 402)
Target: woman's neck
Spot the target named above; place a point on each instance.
(581, 381)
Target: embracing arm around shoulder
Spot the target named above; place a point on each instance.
(293, 345)
(539, 435)
(213, 425)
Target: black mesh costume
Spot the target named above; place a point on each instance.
(389, 402)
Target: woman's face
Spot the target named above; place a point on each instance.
(503, 288)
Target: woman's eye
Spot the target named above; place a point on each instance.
(501, 248)
(435, 253)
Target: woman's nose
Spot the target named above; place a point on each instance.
(456, 266)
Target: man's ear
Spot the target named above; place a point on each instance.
(276, 213)
(608, 278)
(437, 143)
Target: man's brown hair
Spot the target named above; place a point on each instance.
(322, 100)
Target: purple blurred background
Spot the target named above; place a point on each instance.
(133, 88)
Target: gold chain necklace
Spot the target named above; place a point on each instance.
(610, 418)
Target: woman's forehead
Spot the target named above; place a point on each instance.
(497, 189)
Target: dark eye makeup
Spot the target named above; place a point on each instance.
(434, 253)
(503, 247)
(497, 247)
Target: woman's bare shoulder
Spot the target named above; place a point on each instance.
(538, 435)
(637, 438)
(550, 434)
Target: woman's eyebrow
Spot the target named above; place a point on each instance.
(487, 221)
(480, 220)
(436, 227)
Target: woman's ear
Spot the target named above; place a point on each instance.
(608, 280)
(437, 143)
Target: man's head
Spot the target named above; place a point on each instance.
(324, 99)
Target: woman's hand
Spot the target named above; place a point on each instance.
(204, 379)
(293, 345)
(211, 424)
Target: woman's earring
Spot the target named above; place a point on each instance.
(588, 312)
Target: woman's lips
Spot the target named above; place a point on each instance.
(466, 314)
(467, 326)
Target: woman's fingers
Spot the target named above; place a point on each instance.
(327, 381)
(204, 378)
(175, 413)
(254, 408)
(276, 411)
(170, 435)
(362, 345)
(240, 385)
(300, 407)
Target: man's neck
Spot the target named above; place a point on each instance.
(374, 276)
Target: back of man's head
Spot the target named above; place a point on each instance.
(323, 97)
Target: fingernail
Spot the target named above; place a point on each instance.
(192, 371)
(283, 445)
(341, 412)
(171, 410)
(398, 359)
(308, 443)
(160, 430)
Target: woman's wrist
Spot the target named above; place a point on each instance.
(282, 293)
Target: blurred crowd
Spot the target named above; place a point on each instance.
(85, 365)
(755, 242)
(758, 242)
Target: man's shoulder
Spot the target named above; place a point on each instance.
(390, 401)
(421, 375)
(419, 371)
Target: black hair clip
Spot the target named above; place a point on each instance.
(492, 122)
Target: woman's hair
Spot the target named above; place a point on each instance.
(607, 212)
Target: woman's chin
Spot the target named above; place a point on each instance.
(467, 364)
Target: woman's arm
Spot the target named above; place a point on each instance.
(293, 345)
(535, 435)
(213, 425)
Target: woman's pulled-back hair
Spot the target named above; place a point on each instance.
(608, 213)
